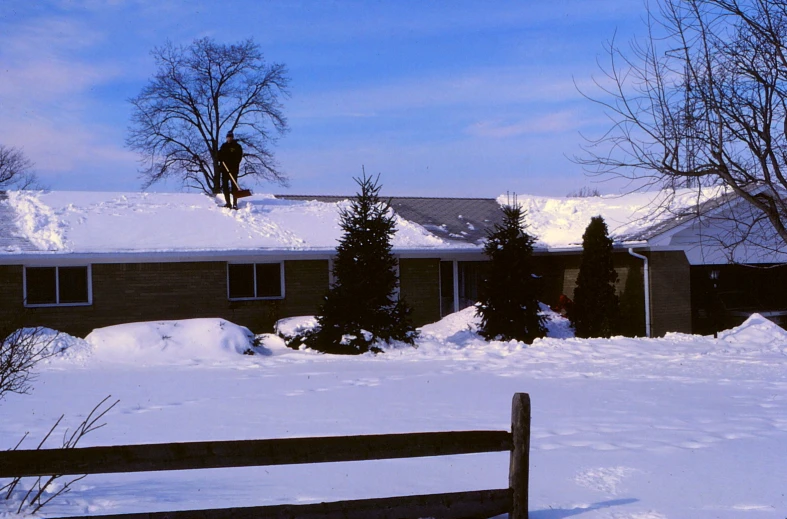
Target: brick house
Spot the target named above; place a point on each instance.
(78, 261)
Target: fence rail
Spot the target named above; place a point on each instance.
(246, 453)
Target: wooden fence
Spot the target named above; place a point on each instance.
(246, 453)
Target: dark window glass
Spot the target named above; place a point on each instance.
(241, 281)
(446, 287)
(41, 287)
(268, 280)
(471, 282)
(73, 284)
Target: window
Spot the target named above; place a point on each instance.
(255, 280)
(461, 284)
(47, 286)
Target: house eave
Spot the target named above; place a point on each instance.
(577, 249)
(63, 257)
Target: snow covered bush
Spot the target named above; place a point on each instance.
(362, 307)
(509, 308)
(294, 330)
(595, 310)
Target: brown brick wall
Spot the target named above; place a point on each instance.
(560, 273)
(11, 294)
(419, 281)
(669, 283)
(670, 292)
(305, 284)
(151, 291)
(559, 276)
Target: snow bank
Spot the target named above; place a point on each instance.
(672, 427)
(455, 331)
(62, 345)
(172, 340)
(50, 343)
(461, 327)
(756, 334)
(455, 336)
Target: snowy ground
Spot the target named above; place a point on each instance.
(679, 427)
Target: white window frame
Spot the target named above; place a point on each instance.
(254, 282)
(454, 288)
(57, 287)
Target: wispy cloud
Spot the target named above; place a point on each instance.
(551, 123)
(492, 87)
(359, 20)
(47, 95)
(42, 64)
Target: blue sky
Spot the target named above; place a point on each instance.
(454, 98)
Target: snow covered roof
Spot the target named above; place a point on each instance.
(183, 223)
(463, 219)
(633, 218)
(105, 222)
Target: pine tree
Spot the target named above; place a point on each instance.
(595, 309)
(362, 307)
(509, 307)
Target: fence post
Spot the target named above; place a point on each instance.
(518, 474)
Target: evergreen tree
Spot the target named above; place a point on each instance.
(362, 307)
(509, 307)
(595, 309)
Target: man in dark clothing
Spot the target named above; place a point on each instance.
(230, 155)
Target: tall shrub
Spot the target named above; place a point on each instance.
(362, 307)
(595, 309)
(509, 307)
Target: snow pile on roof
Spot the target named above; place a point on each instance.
(184, 340)
(99, 222)
(37, 222)
(87, 222)
(561, 222)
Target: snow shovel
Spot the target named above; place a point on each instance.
(238, 192)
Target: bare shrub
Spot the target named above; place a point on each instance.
(20, 351)
(46, 488)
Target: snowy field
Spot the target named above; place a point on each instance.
(678, 427)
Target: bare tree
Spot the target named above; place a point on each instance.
(701, 101)
(199, 93)
(20, 351)
(15, 169)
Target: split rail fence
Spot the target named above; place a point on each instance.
(246, 453)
